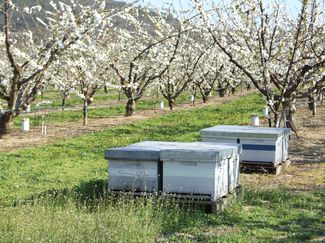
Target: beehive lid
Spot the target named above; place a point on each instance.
(152, 150)
(242, 132)
(133, 153)
(197, 154)
(158, 144)
(285, 131)
(237, 148)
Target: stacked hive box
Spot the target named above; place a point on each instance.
(133, 169)
(206, 170)
(233, 162)
(266, 145)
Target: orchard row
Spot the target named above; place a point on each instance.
(80, 48)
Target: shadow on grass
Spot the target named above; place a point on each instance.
(85, 194)
(91, 191)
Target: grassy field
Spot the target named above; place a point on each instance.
(58, 192)
(100, 97)
(55, 117)
(54, 114)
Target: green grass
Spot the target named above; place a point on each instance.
(58, 116)
(86, 214)
(100, 97)
(73, 100)
(57, 192)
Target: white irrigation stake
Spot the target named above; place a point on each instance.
(25, 124)
(35, 121)
(255, 120)
(193, 100)
(43, 124)
(28, 109)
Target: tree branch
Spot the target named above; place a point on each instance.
(231, 59)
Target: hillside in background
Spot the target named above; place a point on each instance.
(23, 21)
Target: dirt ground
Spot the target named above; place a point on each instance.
(310, 147)
(298, 178)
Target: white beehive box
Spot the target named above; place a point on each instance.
(133, 169)
(259, 144)
(233, 163)
(139, 167)
(234, 172)
(285, 141)
(197, 171)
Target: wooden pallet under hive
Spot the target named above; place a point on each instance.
(262, 167)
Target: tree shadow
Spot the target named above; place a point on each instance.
(87, 193)
(91, 191)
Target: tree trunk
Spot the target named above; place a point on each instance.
(276, 119)
(270, 121)
(205, 98)
(6, 120)
(312, 104)
(269, 118)
(171, 103)
(290, 110)
(85, 113)
(314, 108)
(63, 102)
(130, 107)
(221, 92)
(119, 98)
(233, 90)
(320, 98)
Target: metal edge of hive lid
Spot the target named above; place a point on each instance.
(241, 132)
(237, 147)
(132, 153)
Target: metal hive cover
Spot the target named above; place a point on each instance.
(158, 144)
(155, 150)
(235, 148)
(196, 154)
(133, 153)
(243, 131)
